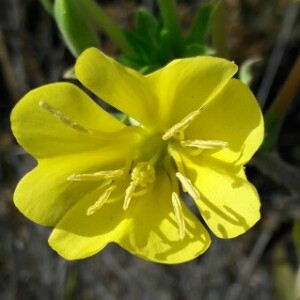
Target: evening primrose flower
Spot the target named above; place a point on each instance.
(99, 181)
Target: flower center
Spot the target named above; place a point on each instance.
(155, 151)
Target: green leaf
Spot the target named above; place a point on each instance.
(48, 5)
(171, 23)
(138, 65)
(74, 26)
(201, 24)
(69, 73)
(245, 73)
(197, 49)
(143, 51)
(147, 26)
(165, 47)
(149, 69)
(104, 22)
(71, 285)
(272, 129)
(130, 62)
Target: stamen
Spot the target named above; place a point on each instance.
(110, 174)
(128, 195)
(188, 186)
(178, 215)
(64, 119)
(204, 144)
(177, 158)
(140, 193)
(99, 203)
(179, 128)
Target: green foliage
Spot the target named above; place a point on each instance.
(272, 124)
(48, 5)
(245, 72)
(152, 43)
(71, 285)
(158, 40)
(200, 26)
(146, 24)
(74, 26)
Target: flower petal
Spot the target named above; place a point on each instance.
(185, 85)
(229, 203)
(44, 195)
(44, 134)
(121, 87)
(147, 229)
(233, 117)
(153, 232)
(79, 236)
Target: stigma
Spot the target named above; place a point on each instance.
(142, 179)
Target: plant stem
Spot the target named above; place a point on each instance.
(219, 35)
(170, 17)
(104, 22)
(276, 113)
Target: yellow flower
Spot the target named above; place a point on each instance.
(99, 181)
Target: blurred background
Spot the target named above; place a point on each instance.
(261, 264)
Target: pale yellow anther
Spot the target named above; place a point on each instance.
(102, 199)
(101, 175)
(177, 158)
(188, 186)
(178, 128)
(64, 119)
(177, 207)
(204, 144)
(128, 195)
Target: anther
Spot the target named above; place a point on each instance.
(204, 144)
(128, 195)
(99, 203)
(177, 158)
(179, 128)
(177, 207)
(101, 175)
(188, 186)
(64, 119)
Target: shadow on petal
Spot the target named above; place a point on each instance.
(153, 232)
(228, 203)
